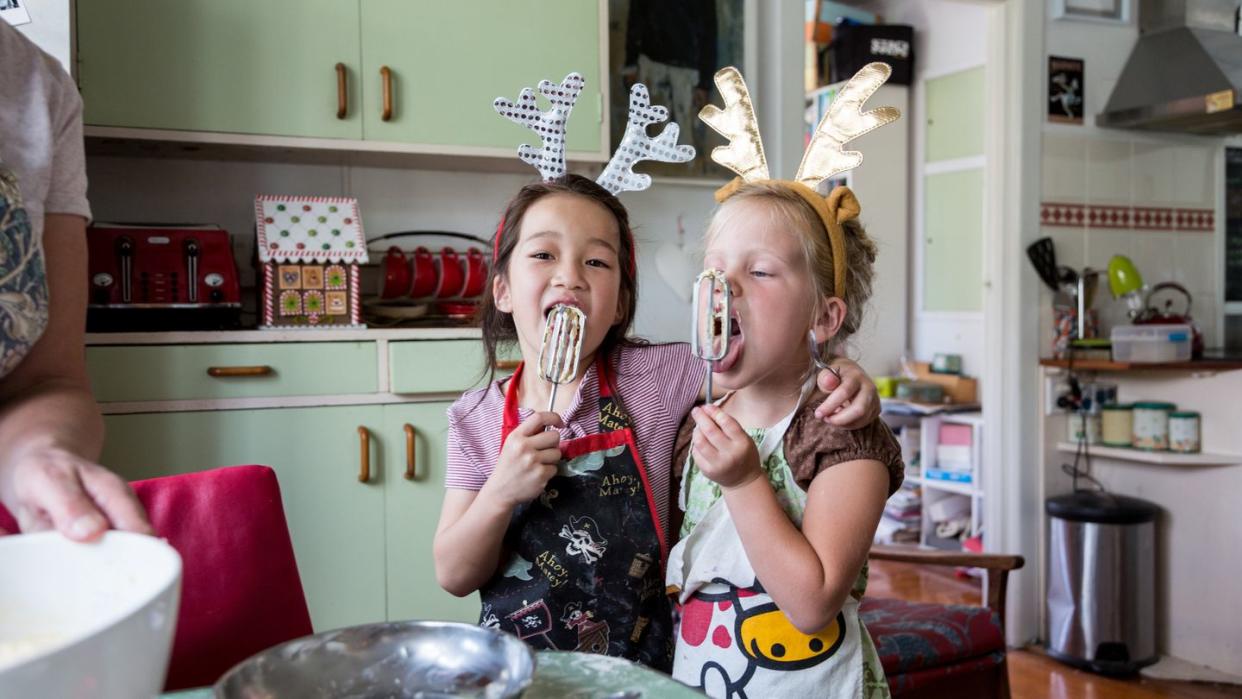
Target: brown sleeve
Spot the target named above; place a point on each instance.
(812, 446)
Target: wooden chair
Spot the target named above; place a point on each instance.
(942, 650)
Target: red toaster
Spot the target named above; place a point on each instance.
(147, 277)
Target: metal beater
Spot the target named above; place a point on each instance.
(562, 345)
(709, 340)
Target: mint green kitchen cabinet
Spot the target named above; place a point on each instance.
(447, 62)
(234, 66)
(251, 70)
(336, 522)
(364, 549)
(413, 492)
(185, 372)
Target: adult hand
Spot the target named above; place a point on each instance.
(852, 401)
(722, 450)
(527, 461)
(52, 488)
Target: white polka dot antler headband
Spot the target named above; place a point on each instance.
(635, 146)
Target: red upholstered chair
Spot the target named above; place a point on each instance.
(240, 589)
(942, 650)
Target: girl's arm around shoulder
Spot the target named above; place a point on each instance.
(851, 400)
(813, 446)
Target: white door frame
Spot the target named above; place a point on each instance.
(1012, 485)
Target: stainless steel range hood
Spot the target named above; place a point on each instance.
(1185, 73)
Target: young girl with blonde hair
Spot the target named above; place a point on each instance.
(780, 508)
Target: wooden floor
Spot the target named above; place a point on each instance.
(1032, 674)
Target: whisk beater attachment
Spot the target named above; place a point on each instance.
(562, 346)
(709, 340)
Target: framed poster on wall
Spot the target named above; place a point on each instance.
(1066, 90)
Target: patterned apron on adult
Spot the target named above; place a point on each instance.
(582, 563)
(733, 640)
(23, 277)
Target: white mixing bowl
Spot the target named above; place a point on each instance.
(86, 620)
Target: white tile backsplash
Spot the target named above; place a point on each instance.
(1153, 255)
(1154, 175)
(1108, 171)
(1064, 168)
(1103, 243)
(1194, 261)
(1195, 183)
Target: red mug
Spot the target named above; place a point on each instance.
(476, 273)
(396, 274)
(425, 277)
(451, 276)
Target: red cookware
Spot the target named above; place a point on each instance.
(1155, 314)
(426, 279)
(452, 278)
(396, 274)
(476, 273)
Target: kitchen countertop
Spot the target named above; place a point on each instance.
(1212, 360)
(192, 337)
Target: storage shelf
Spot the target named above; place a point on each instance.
(951, 487)
(1106, 365)
(1164, 458)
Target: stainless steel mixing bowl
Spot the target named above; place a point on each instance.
(414, 659)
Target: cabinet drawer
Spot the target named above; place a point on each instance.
(439, 366)
(140, 373)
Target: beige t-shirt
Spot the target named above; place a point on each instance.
(42, 171)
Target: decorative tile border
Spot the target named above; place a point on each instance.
(1129, 217)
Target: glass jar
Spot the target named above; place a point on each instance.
(1184, 432)
(1083, 426)
(1151, 425)
(1117, 425)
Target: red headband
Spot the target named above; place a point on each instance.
(630, 266)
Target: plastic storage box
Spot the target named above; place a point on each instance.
(1151, 343)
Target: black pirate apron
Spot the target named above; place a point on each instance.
(582, 564)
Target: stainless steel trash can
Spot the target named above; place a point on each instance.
(1101, 581)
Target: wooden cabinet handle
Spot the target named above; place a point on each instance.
(364, 454)
(239, 371)
(386, 81)
(409, 452)
(507, 364)
(342, 92)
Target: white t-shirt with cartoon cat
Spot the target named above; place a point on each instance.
(42, 171)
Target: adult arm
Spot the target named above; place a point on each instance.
(51, 431)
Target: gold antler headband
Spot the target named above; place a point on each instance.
(825, 156)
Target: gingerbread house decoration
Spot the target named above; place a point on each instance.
(310, 250)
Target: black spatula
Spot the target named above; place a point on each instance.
(1044, 257)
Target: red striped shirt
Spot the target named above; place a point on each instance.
(657, 386)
